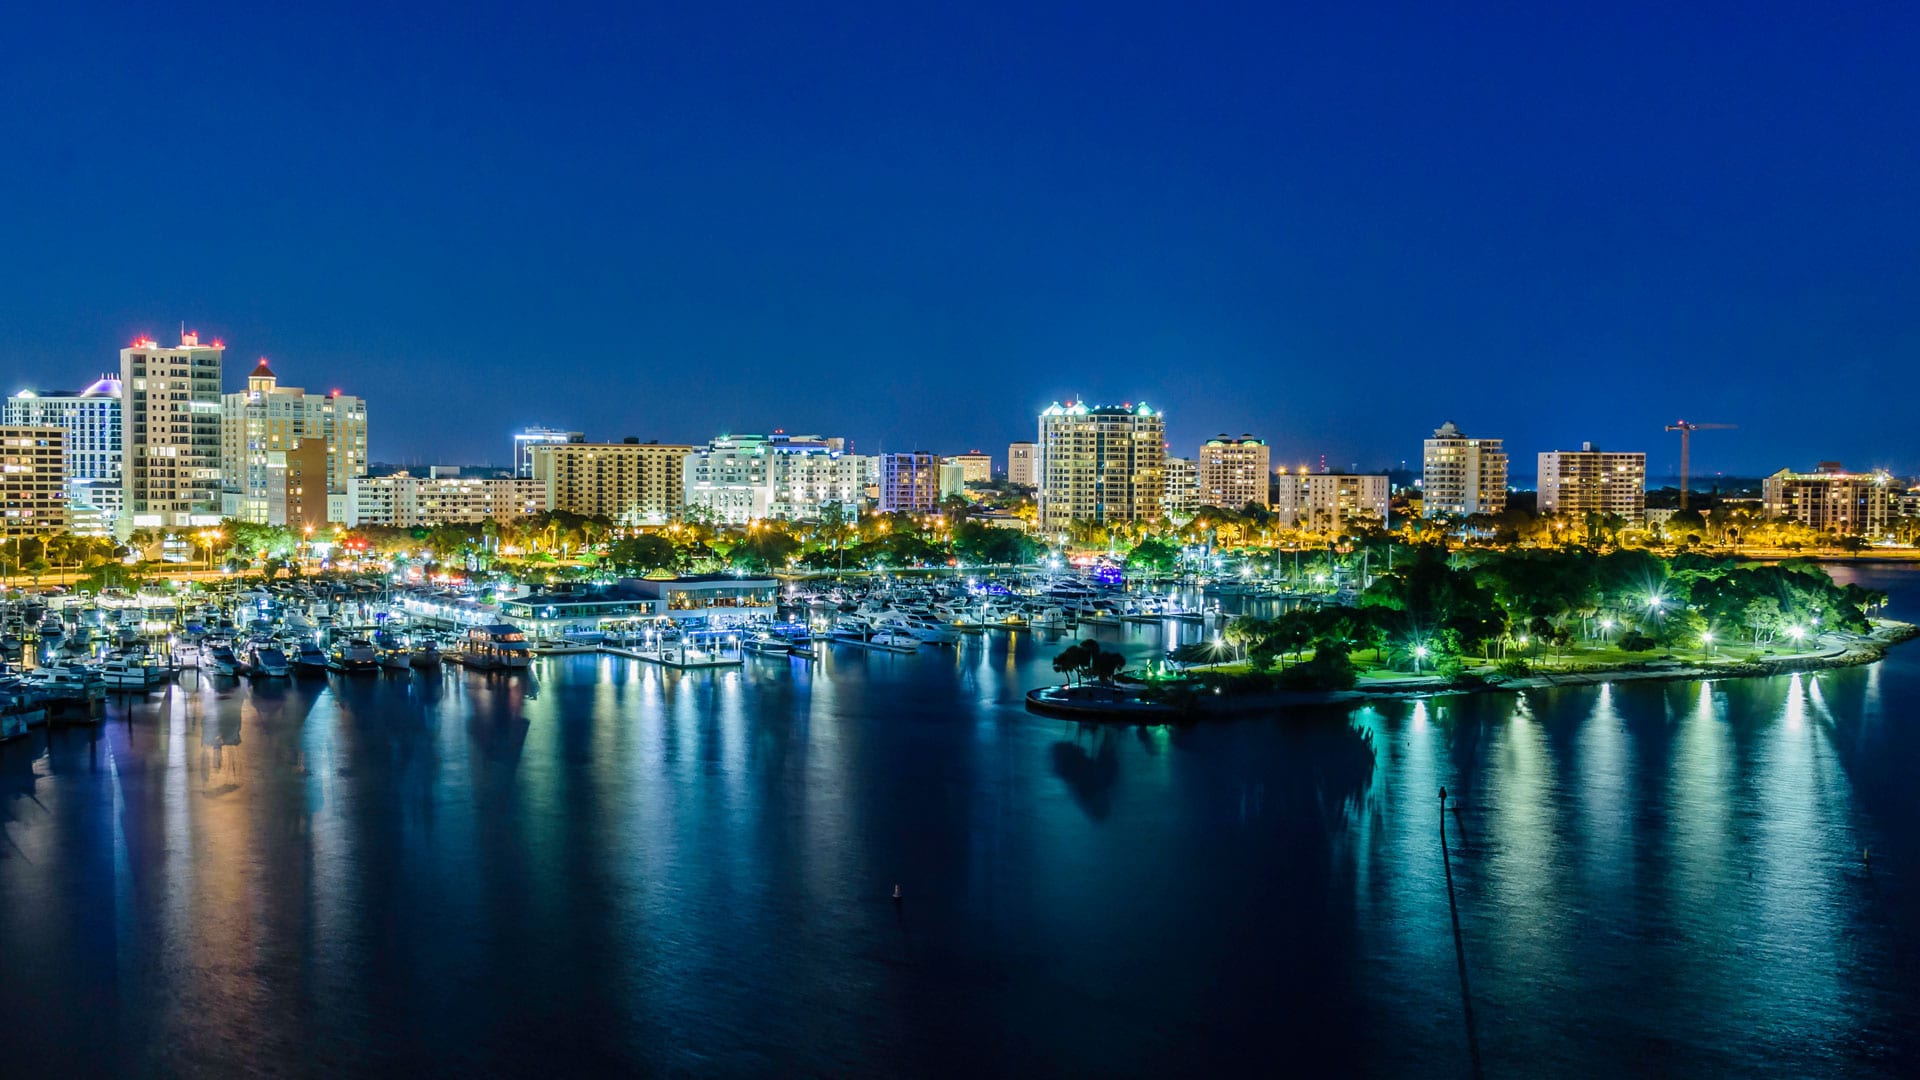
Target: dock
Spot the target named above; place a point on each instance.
(684, 659)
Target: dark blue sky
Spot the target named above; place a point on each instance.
(1334, 229)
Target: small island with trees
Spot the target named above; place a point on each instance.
(1464, 620)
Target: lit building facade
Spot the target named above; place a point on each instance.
(737, 479)
(1330, 502)
(268, 419)
(628, 483)
(1101, 464)
(1461, 476)
(33, 480)
(91, 420)
(1831, 499)
(406, 501)
(975, 467)
(169, 435)
(1182, 486)
(1233, 472)
(527, 438)
(1023, 459)
(1588, 481)
(909, 482)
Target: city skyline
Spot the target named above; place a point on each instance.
(1327, 229)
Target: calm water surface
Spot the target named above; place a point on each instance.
(606, 865)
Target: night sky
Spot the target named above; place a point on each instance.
(1332, 229)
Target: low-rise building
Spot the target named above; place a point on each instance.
(1831, 499)
(1590, 481)
(1330, 502)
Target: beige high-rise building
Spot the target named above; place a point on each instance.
(1588, 481)
(1181, 489)
(1022, 459)
(268, 418)
(1329, 502)
(170, 435)
(33, 481)
(630, 483)
(975, 467)
(1233, 472)
(1101, 464)
(1831, 499)
(1461, 476)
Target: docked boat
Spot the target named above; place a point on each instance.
(353, 656)
(221, 660)
(767, 645)
(267, 660)
(495, 647)
(309, 657)
(425, 655)
(395, 659)
(131, 673)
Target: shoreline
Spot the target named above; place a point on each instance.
(1114, 705)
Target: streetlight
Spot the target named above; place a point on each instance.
(1419, 654)
(1796, 632)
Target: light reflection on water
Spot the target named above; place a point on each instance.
(608, 864)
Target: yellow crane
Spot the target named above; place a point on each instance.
(1686, 431)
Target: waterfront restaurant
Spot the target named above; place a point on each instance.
(716, 599)
(547, 616)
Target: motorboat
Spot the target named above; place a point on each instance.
(221, 659)
(309, 657)
(425, 655)
(766, 644)
(353, 656)
(495, 647)
(131, 673)
(267, 660)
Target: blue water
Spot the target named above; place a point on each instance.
(609, 866)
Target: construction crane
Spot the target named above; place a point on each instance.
(1686, 431)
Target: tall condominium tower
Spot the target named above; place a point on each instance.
(1588, 481)
(262, 424)
(1101, 463)
(91, 420)
(1462, 476)
(169, 434)
(1233, 472)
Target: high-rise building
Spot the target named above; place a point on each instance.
(1461, 476)
(1589, 481)
(736, 479)
(953, 480)
(1101, 464)
(33, 480)
(267, 419)
(1329, 502)
(527, 438)
(302, 486)
(628, 483)
(406, 501)
(909, 482)
(1182, 486)
(1233, 472)
(1831, 499)
(1022, 459)
(976, 467)
(91, 420)
(169, 434)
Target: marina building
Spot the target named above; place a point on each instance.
(629, 483)
(33, 481)
(1022, 459)
(1462, 476)
(909, 482)
(268, 419)
(1101, 463)
(1831, 499)
(91, 420)
(1233, 472)
(1330, 503)
(169, 435)
(1589, 481)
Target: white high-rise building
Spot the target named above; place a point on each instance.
(170, 434)
(737, 479)
(1329, 502)
(1461, 476)
(1101, 464)
(267, 418)
(91, 420)
(1182, 487)
(1589, 481)
(1234, 472)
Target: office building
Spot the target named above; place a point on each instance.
(976, 467)
(169, 435)
(1330, 503)
(1022, 461)
(1233, 472)
(527, 438)
(1101, 464)
(628, 483)
(909, 482)
(1462, 476)
(1182, 486)
(33, 481)
(1831, 499)
(267, 419)
(1588, 481)
(91, 420)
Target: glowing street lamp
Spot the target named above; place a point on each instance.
(1796, 632)
(1419, 654)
